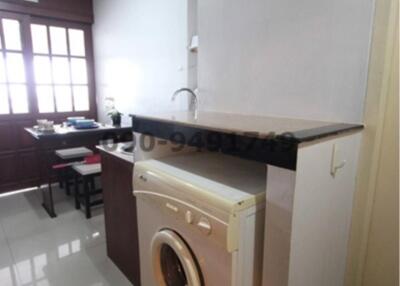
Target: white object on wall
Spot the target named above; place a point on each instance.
(194, 45)
(336, 163)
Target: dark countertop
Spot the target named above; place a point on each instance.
(271, 140)
(298, 130)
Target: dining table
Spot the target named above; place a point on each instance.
(64, 137)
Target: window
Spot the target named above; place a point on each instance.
(13, 83)
(44, 66)
(60, 69)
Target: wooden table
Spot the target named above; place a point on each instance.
(69, 137)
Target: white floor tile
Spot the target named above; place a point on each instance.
(40, 251)
(22, 216)
(8, 274)
(3, 238)
(14, 204)
(112, 274)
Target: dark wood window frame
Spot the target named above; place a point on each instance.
(25, 22)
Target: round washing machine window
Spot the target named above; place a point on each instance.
(173, 262)
(171, 267)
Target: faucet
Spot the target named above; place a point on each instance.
(194, 102)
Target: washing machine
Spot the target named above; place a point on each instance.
(201, 220)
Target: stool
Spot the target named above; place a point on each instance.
(69, 155)
(48, 202)
(88, 172)
(73, 153)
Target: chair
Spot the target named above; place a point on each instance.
(87, 173)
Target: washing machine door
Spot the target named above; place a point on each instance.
(173, 262)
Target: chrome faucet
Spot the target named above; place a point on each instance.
(194, 101)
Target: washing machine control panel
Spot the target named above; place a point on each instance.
(189, 217)
(172, 207)
(201, 222)
(204, 225)
(186, 211)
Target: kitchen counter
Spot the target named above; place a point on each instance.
(271, 140)
(311, 169)
(250, 125)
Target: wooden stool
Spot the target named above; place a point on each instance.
(67, 156)
(88, 173)
(48, 202)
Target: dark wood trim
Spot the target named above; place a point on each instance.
(91, 69)
(120, 215)
(28, 60)
(36, 9)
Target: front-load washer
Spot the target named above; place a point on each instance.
(201, 220)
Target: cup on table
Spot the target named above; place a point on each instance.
(41, 123)
(48, 126)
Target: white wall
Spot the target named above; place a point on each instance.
(140, 54)
(304, 58)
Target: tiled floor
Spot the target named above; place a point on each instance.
(66, 251)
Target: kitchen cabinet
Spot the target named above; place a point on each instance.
(120, 215)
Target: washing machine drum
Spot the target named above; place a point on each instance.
(173, 262)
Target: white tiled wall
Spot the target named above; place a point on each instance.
(306, 58)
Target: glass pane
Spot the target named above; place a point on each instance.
(58, 37)
(76, 42)
(79, 71)
(15, 68)
(45, 99)
(39, 39)
(63, 98)
(81, 98)
(2, 69)
(4, 106)
(61, 73)
(19, 98)
(42, 68)
(12, 34)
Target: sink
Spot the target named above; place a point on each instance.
(127, 149)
